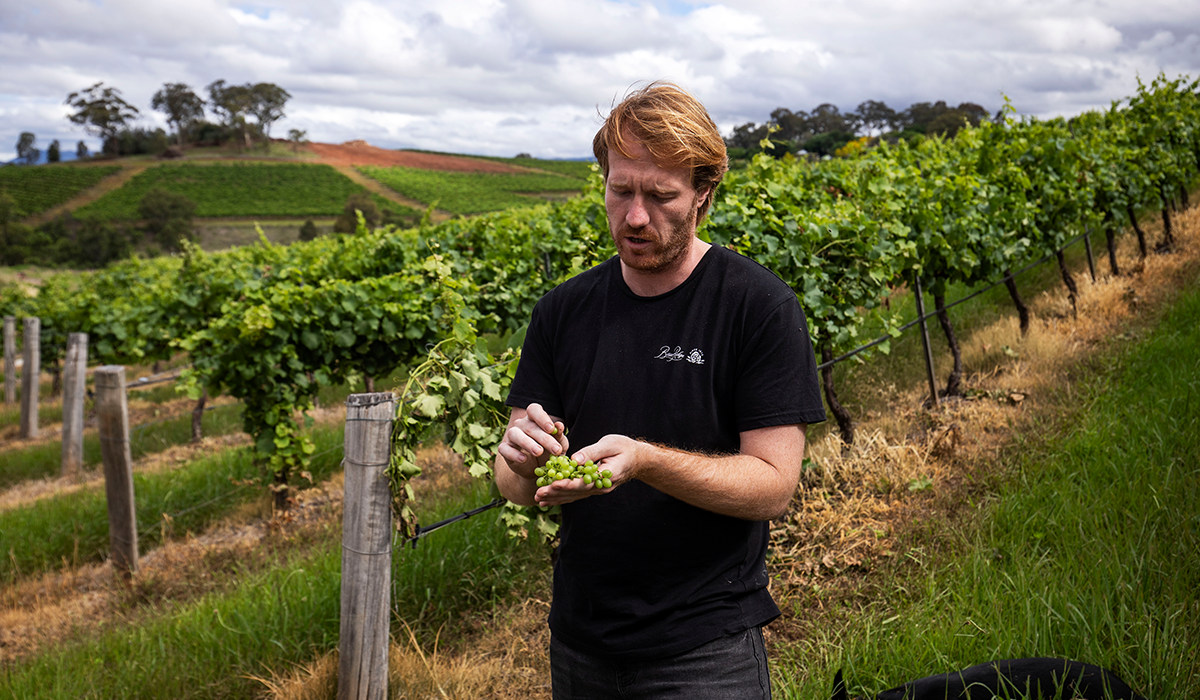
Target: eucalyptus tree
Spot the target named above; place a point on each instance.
(102, 112)
(180, 104)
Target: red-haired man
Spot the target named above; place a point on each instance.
(686, 370)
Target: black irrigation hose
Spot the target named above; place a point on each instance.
(423, 531)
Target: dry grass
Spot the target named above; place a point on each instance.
(506, 661)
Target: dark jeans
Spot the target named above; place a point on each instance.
(729, 668)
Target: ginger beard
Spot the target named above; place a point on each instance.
(661, 252)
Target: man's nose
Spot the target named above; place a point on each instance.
(637, 217)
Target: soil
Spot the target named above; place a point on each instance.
(354, 153)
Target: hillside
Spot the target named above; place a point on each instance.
(405, 183)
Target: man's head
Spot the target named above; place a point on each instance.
(676, 130)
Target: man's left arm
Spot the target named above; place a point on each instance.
(755, 484)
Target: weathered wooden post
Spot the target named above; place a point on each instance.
(31, 356)
(74, 390)
(366, 549)
(10, 359)
(112, 410)
(933, 390)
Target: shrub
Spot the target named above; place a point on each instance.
(308, 231)
(167, 217)
(348, 221)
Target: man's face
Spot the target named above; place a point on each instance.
(651, 210)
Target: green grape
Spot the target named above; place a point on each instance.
(559, 467)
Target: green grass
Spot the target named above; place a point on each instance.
(35, 189)
(73, 528)
(472, 193)
(288, 615)
(1089, 549)
(237, 190)
(45, 459)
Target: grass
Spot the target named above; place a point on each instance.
(45, 458)
(860, 382)
(212, 648)
(237, 190)
(72, 528)
(1089, 549)
(472, 193)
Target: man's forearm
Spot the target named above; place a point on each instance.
(513, 486)
(741, 486)
(755, 484)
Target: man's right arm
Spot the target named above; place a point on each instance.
(527, 444)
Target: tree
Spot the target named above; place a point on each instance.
(54, 153)
(26, 153)
(827, 118)
(267, 106)
(747, 135)
(875, 116)
(232, 103)
(81, 150)
(100, 111)
(947, 123)
(180, 104)
(793, 126)
(297, 137)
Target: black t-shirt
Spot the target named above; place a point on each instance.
(641, 574)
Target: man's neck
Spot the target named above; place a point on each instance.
(652, 284)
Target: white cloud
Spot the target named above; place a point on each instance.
(505, 76)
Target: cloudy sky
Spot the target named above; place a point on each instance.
(499, 77)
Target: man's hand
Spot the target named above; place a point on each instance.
(620, 455)
(531, 437)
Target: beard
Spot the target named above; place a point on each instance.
(665, 251)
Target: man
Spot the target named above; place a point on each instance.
(686, 370)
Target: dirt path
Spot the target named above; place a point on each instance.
(388, 193)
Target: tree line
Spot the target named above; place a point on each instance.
(242, 113)
(826, 128)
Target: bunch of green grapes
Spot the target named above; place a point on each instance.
(563, 467)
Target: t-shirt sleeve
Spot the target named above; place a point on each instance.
(777, 373)
(535, 381)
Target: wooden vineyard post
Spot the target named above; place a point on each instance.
(10, 359)
(74, 390)
(31, 357)
(366, 549)
(112, 410)
(933, 391)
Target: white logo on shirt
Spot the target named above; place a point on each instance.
(666, 353)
